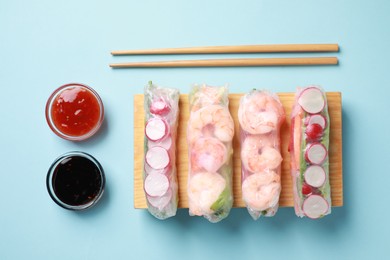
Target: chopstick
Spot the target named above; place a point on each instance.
(235, 49)
(250, 62)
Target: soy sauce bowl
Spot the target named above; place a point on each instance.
(75, 181)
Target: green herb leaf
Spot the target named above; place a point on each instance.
(220, 204)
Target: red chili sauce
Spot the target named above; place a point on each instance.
(75, 111)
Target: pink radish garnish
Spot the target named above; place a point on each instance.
(315, 176)
(156, 129)
(316, 119)
(156, 185)
(150, 170)
(312, 100)
(165, 143)
(316, 153)
(314, 132)
(157, 157)
(159, 107)
(315, 206)
(160, 202)
(306, 189)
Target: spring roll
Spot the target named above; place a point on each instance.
(309, 146)
(161, 107)
(260, 115)
(209, 136)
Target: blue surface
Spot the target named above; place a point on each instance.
(44, 44)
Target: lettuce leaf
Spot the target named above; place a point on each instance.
(220, 204)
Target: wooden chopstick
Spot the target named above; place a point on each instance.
(236, 49)
(250, 62)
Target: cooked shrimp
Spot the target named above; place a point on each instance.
(260, 113)
(206, 96)
(203, 190)
(211, 121)
(257, 156)
(261, 191)
(208, 154)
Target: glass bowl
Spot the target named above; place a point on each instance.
(75, 181)
(74, 112)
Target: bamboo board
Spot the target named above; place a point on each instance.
(286, 197)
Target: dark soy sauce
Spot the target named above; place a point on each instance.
(76, 180)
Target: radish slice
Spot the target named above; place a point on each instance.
(314, 132)
(156, 185)
(156, 129)
(316, 153)
(315, 176)
(165, 143)
(315, 206)
(312, 100)
(316, 119)
(160, 202)
(159, 107)
(150, 170)
(157, 158)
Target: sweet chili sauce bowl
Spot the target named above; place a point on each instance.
(74, 112)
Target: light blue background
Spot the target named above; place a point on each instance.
(44, 44)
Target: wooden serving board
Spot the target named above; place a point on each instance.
(286, 197)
